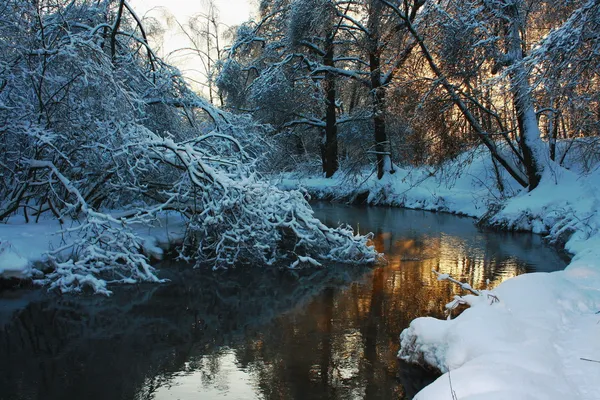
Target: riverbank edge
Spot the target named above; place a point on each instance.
(564, 210)
(486, 220)
(24, 246)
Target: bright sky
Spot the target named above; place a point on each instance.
(231, 12)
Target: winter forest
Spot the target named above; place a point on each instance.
(275, 193)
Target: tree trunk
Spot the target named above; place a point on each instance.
(529, 131)
(115, 30)
(529, 155)
(382, 145)
(553, 133)
(329, 145)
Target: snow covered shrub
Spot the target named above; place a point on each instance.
(93, 122)
(271, 93)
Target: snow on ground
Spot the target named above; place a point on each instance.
(542, 339)
(12, 263)
(22, 245)
(466, 190)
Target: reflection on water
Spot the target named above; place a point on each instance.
(256, 333)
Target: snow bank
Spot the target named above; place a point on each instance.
(12, 264)
(24, 244)
(528, 345)
(541, 340)
(465, 186)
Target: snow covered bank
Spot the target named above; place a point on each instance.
(23, 245)
(529, 345)
(467, 186)
(540, 340)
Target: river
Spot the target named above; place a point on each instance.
(257, 333)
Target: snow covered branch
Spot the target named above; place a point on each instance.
(464, 300)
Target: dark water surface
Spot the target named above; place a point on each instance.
(256, 333)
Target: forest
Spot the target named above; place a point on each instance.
(112, 157)
(418, 82)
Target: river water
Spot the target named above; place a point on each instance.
(259, 333)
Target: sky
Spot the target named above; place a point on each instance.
(231, 13)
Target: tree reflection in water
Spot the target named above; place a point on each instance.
(258, 333)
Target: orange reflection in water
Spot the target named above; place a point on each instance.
(343, 344)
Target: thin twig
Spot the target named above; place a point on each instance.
(587, 359)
